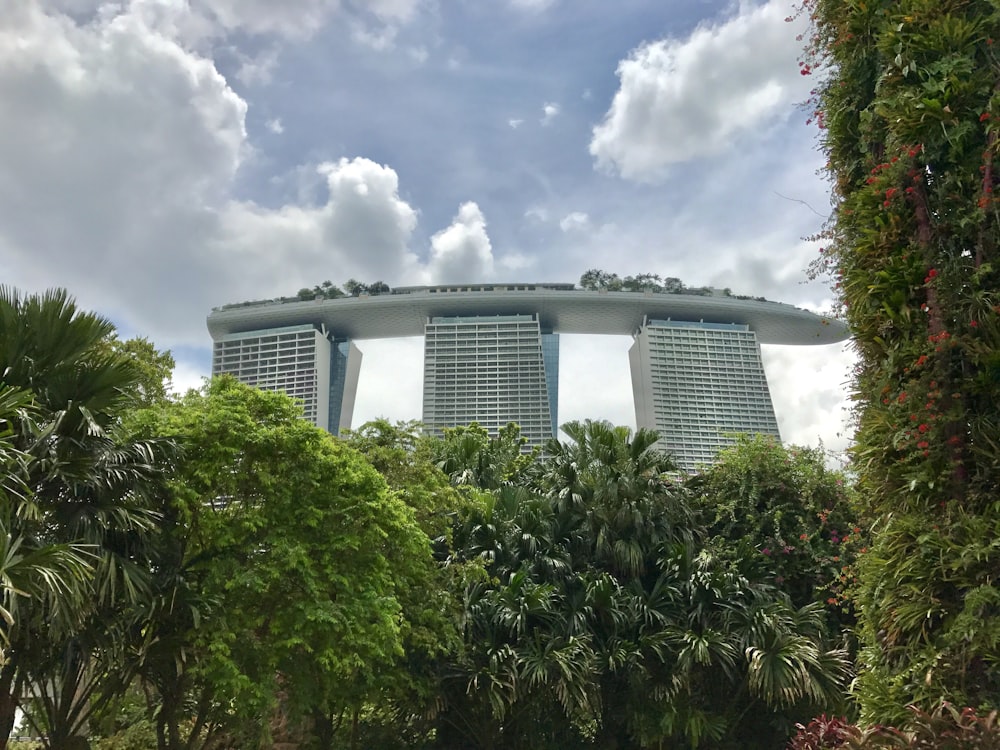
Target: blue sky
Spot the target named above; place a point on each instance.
(161, 157)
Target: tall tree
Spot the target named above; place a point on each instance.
(399, 709)
(471, 457)
(88, 488)
(789, 513)
(31, 568)
(155, 369)
(910, 111)
(284, 559)
(603, 624)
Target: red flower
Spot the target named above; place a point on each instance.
(923, 428)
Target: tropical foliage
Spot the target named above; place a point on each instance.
(284, 559)
(209, 571)
(944, 728)
(909, 107)
(75, 508)
(606, 623)
(790, 515)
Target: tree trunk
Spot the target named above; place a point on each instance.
(613, 732)
(9, 694)
(323, 730)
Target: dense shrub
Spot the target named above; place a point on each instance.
(945, 728)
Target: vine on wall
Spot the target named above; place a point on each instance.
(908, 109)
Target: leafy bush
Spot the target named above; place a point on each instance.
(824, 733)
(945, 728)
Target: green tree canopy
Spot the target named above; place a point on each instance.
(790, 514)
(604, 624)
(285, 560)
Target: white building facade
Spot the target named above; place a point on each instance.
(699, 385)
(302, 361)
(492, 355)
(492, 370)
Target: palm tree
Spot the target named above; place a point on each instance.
(87, 485)
(29, 567)
(620, 490)
(471, 457)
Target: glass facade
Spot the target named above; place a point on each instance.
(550, 356)
(301, 361)
(491, 370)
(700, 384)
(345, 365)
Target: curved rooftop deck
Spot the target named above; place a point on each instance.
(561, 308)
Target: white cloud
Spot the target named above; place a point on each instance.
(379, 39)
(462, 252)
(683, 99)
(391, 380)
(537, 214)
(140, 185)
(575, 221)
(185, 377)
(817, 413)
(549, 112)
(534, 6)
(377, 24)
(515, 123)
(275, 126)
(103, 124)
(390, 11)
(258, 68)
(362, 230)
(514, 263)
(289, 18)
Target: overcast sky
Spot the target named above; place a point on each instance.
(161, 157)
